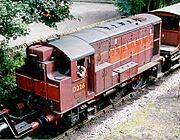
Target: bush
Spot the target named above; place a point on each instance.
(129, 7)
(7, 73)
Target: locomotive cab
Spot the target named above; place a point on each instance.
(51, 72)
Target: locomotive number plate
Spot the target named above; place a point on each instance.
(79, 87)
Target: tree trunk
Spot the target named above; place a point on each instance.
(148, 5)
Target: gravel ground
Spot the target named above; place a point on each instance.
(155, 115)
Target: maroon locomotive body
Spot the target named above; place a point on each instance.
(71, 76)
(114, 54)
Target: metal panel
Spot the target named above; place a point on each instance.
(126, 71)
(114, 54)
(53, 92)
(73, 47)
(147, 66)
(79, 91)
(108, 77)
(135, 58)
(31, 85)
(66, 94)
(170, 37)
(142, 32)
(125, 52)
(134, 47)
(141, 58)
(74, 70)
(148, 55)
(102, 58)
(25, 83)
(44, 53)
(103, 76)
(40, 88)
(117, 64)
(124, 76)
(133, 71)
(134, 35)
(101, 46)
(126, 60)
(126, 38)
(115, 78)
(116, 41)
(105, 57)
(90, 35)
(99, 81)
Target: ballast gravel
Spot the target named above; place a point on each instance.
(155, 115)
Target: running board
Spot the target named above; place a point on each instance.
(18, 130)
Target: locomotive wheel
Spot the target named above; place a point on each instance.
(120, 93)
(137, 84)
(71, 119)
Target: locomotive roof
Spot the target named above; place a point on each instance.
(73, 47)
(128, 24)
(116, 27)
(76, 45)
(172, 9)
(90, 35)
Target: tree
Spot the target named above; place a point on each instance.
(7, 72)
(123, 6)
(137, 6)
(131, 7)
(17, 14)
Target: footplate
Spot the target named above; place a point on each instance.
(18, 130)
(23, 127)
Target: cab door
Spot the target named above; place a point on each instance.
(90, 73)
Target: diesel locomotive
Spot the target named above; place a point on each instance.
(70, 77)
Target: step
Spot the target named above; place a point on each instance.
(23, 127)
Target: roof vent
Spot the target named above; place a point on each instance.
(114, 26)
(137, 18)
(103, 27)
(128, 21)
(121, 23)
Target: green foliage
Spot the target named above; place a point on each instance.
(17, 14)
(7, 73)
(123, 6)
(137, 6)
(170, 2)
(131, 7)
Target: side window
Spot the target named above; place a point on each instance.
(170, 23)
(63, 63)
(156, 47)
(81, 68)
(156, 31)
